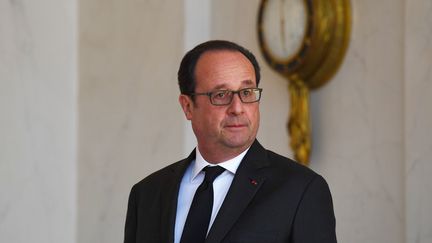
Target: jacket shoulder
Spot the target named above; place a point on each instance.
(288, 165)
(160, 177)
(288, 171)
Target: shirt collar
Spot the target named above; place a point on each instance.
(230, 165)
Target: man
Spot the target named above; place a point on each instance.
(256, 195)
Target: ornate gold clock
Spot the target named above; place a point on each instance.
(305, 41)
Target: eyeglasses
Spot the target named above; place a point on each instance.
(225, 97)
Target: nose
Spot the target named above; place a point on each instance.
(236, 106)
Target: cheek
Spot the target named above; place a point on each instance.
(215, 119)
(254, 115)
(208, 120)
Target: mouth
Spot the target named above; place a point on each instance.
(236, 126)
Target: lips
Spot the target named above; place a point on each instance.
(236, 125)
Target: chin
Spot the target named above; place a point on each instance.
(238, 143)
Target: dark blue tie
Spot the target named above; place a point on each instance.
(198, 218)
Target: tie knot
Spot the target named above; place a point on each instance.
(211, 172)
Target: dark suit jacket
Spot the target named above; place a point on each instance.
(271, 199)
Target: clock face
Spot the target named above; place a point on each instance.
(284, 25)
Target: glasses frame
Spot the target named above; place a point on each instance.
(209, 94)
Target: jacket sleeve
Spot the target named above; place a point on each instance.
(315, 221)
(131, 218)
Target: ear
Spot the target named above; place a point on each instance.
(187, 105)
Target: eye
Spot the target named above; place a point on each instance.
(220, 94)
(246, 92)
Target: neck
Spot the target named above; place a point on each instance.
(216, 156)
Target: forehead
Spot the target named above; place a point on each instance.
(224, 69)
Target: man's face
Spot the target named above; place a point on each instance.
(226, 129)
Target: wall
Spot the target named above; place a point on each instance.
(418, 120)
(130, 123)
(38, 121)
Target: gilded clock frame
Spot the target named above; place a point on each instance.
(324, 44)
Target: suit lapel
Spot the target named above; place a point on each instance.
(246, 183)
(169, 197)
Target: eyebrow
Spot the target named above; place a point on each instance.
(244, 82)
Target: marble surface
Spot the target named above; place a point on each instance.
(418, 120)
(130, 122)
(37, 121)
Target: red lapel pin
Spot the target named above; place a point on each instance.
(253, 182)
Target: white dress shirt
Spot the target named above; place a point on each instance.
(192, 178)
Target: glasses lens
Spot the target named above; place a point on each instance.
(221, 97)
(250, 95)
